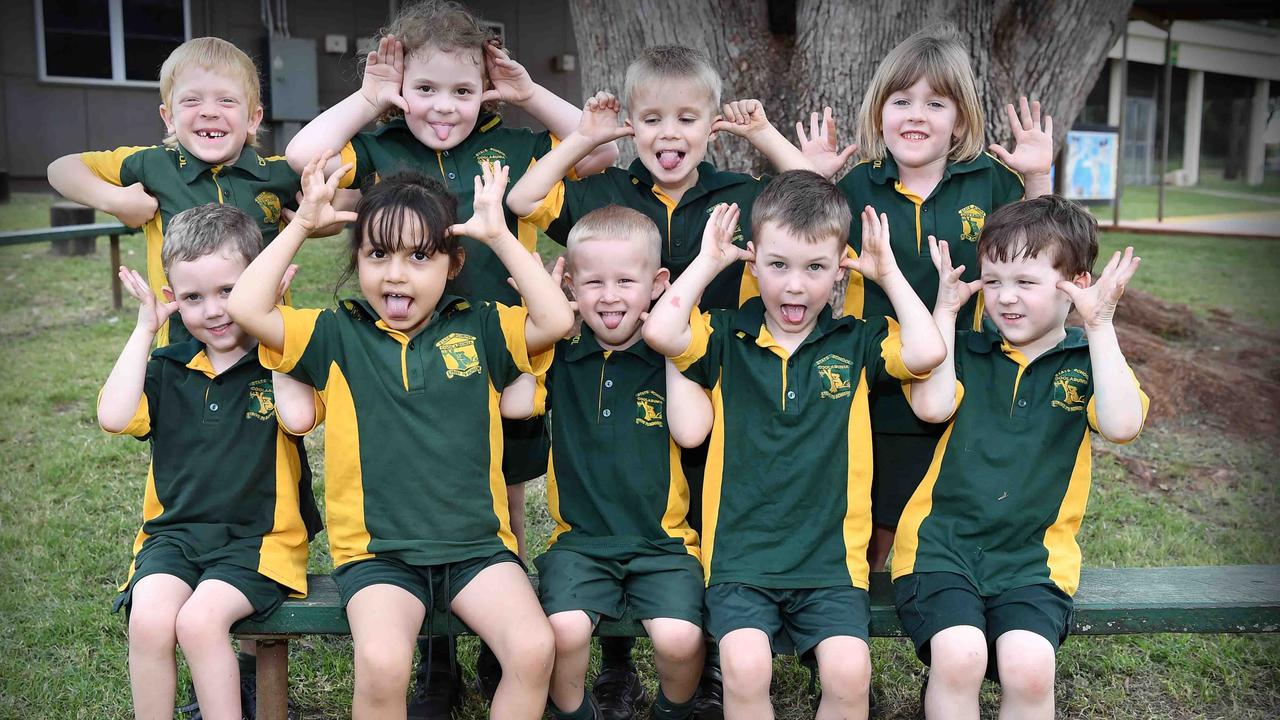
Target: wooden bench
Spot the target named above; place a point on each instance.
(69, 232)
(1111, 601)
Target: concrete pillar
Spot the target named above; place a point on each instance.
(1256, 155)
(1191, 133)
(1115, 103)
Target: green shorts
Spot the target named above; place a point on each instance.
(525, 448)
(931, 602)
(901, 462)
(795, 620)
(161, 556)
(428, 583)
(649, 586)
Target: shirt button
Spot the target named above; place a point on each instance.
(607, 412)
(1022, 403)
(791, 394)
(608, 383)
(213, 407)
(453, 176)
(446, 153)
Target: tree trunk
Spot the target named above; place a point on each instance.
(1051, 51)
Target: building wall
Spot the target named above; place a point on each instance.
(42, 121)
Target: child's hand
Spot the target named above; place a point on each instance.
(285, 282)
(599, 123)
(315, 211)
(133, 205)
(821, 143)
(743, 118)
(488, 224)
(876, 261)
(511, 82)
(717, 237)
(152, 313)
(953, 292)
(1033, 142)
(1097, 304)
(557, 277)
(384, 75)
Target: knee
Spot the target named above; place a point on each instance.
(572, 632)
(958, 666)
(849, 673)
(195, 626)
(152, 632)
(746, 673)
(381, 673)
(680, 644)
(1027, 675)
(531, 652)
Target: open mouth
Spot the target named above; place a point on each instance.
(670, 159)
(1012, 317)
(612, 319)
(397, 306)
(914, 136)
(442, 130)
(793, 314)
(219, 329)
(211, 134)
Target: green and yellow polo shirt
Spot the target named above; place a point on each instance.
(681, 224)
(413, 436)
(259, 186)
(787, 491)
(614, 481)
(955, 211)
(225, 480)
(1003, 499)
(392, 147)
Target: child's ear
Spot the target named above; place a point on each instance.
(661, 280)
(1083, 281)
(255, 119)
(751, 264)
(168, 120)
(168, 293)
(457, 261)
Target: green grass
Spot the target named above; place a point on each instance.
(70, 498)
(1139, 202)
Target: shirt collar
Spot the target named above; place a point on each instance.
(709, 178)
(191, 354)
(586, 345)
(484, 123)
(749, 320)
(886, 171)
(360, 309)
(989, 339)
(191, 167)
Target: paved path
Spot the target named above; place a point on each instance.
(1261, 225)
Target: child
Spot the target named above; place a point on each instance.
(211, 108)
(986, 560)
(219, 541)
(410, 379)
(920, 131)
(672, 94)
(615, 485)
(786, 517)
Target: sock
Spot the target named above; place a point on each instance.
(248, 663)
(664, 709)
(615, 652)
(586, 709)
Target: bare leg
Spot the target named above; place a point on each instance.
(958, 662)
(1027, 667)
(844, 665)
(678, 652)
(384, 625)
(153, 671)
(746, 659)
(203, 628)
(573, 654)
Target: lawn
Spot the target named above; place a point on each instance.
(70, 499)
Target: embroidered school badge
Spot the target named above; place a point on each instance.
(270, 204)
(489, 156)
(649, 408)
(262, 401)
(1069, 388)
(972, 218)
(833, 371)
(460, 356)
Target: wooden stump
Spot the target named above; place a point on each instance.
(66, 212)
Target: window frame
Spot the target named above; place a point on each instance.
(115, 24)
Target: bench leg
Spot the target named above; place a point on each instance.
(116, 290)
(273, 679)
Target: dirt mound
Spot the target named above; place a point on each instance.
(1217, 369)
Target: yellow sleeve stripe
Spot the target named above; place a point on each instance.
(573, 173)
(549, 210)
(512, 320)
(891, 352)
(298, 327)
(107, 164)
(700, 338)
(348, 155)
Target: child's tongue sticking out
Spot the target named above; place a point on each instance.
(397, 306)
(669, 159)
(793, 314)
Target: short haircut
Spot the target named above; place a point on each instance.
(441, 25)
(400, 200)
(672, 62)
(206, 229)
(218, 55)
(615, 222)
(1050, 223)
(804, 203)
(936, 55)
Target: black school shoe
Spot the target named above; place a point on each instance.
(436, 695)
(248, 702)
(619, 693)
(708, 701)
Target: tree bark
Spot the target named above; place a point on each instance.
(1050, 51)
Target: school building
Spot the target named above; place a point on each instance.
(81, 74)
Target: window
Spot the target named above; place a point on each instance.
(110, 42)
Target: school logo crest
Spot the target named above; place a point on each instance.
(1069, 388)
(262, 401)
(460, 356)
(488, 156)
(270, 204)
(972, 218)
(833, 371)
(649, 409)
